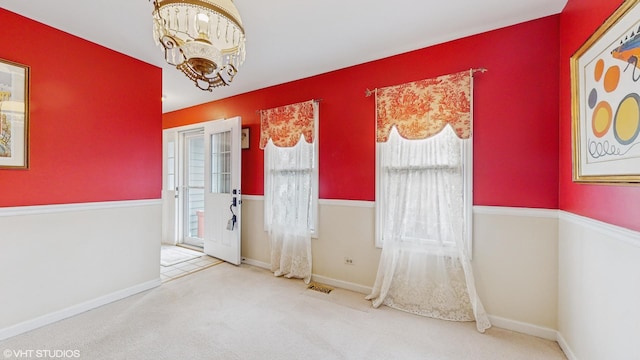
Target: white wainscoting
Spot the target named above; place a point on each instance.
(515, 257)
(599, 289)
(59, 260)
(516, 263)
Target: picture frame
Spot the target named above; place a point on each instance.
(14, 115)
(245, 138)
(605, 80)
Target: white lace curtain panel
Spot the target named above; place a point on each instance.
(287, 208)
(424, 266)
(288, 187)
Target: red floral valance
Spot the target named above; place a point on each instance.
(423, 108)
(284, 125)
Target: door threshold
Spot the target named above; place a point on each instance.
(191, 247)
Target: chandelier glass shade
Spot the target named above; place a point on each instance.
(202, 38)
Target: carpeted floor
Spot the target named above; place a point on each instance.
(228, 312)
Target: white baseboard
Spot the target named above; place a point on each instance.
(319, 278)
(256, 263)
(534, 330)
(75, 310)
(565, 347)
(342, 284)
(525, 328)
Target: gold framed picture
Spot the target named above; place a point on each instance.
(14, 115)
(605, 81)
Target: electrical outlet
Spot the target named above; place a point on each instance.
(348, 261)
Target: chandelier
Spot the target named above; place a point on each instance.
(202, 38)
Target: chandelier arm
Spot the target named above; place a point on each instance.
(172, 48)
(230, 71)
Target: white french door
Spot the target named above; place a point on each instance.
(201, 187)
(222, 202)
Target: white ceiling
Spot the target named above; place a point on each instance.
(288, 39)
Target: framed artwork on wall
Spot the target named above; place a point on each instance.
(605, 86)
(245, 138)
(14, 115)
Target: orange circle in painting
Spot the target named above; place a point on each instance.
(601, 119)
(597, 74)
(611, 78)
(627, 120)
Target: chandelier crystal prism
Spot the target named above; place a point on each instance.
(202, 38)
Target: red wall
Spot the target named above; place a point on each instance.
(619, 205)
(95, 120)
(516, 115)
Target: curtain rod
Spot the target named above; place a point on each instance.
(314, 100)
(368, 92)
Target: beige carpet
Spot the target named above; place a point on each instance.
(228, 312)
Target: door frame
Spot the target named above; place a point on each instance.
(174, 232)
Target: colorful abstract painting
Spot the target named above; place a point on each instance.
(606, 100)
(606, 103)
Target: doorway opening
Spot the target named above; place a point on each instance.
(201, 188)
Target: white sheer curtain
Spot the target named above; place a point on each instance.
(424, 267)
(288, 191)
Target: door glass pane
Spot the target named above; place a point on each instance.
(221, 162)
(171, 166)
(195, 187)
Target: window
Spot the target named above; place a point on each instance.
(291, 179)
(291, 182)
(170, 165)
(423, 199)
(424, 190)
(291, 186)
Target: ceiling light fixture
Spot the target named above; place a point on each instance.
(202, 38)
